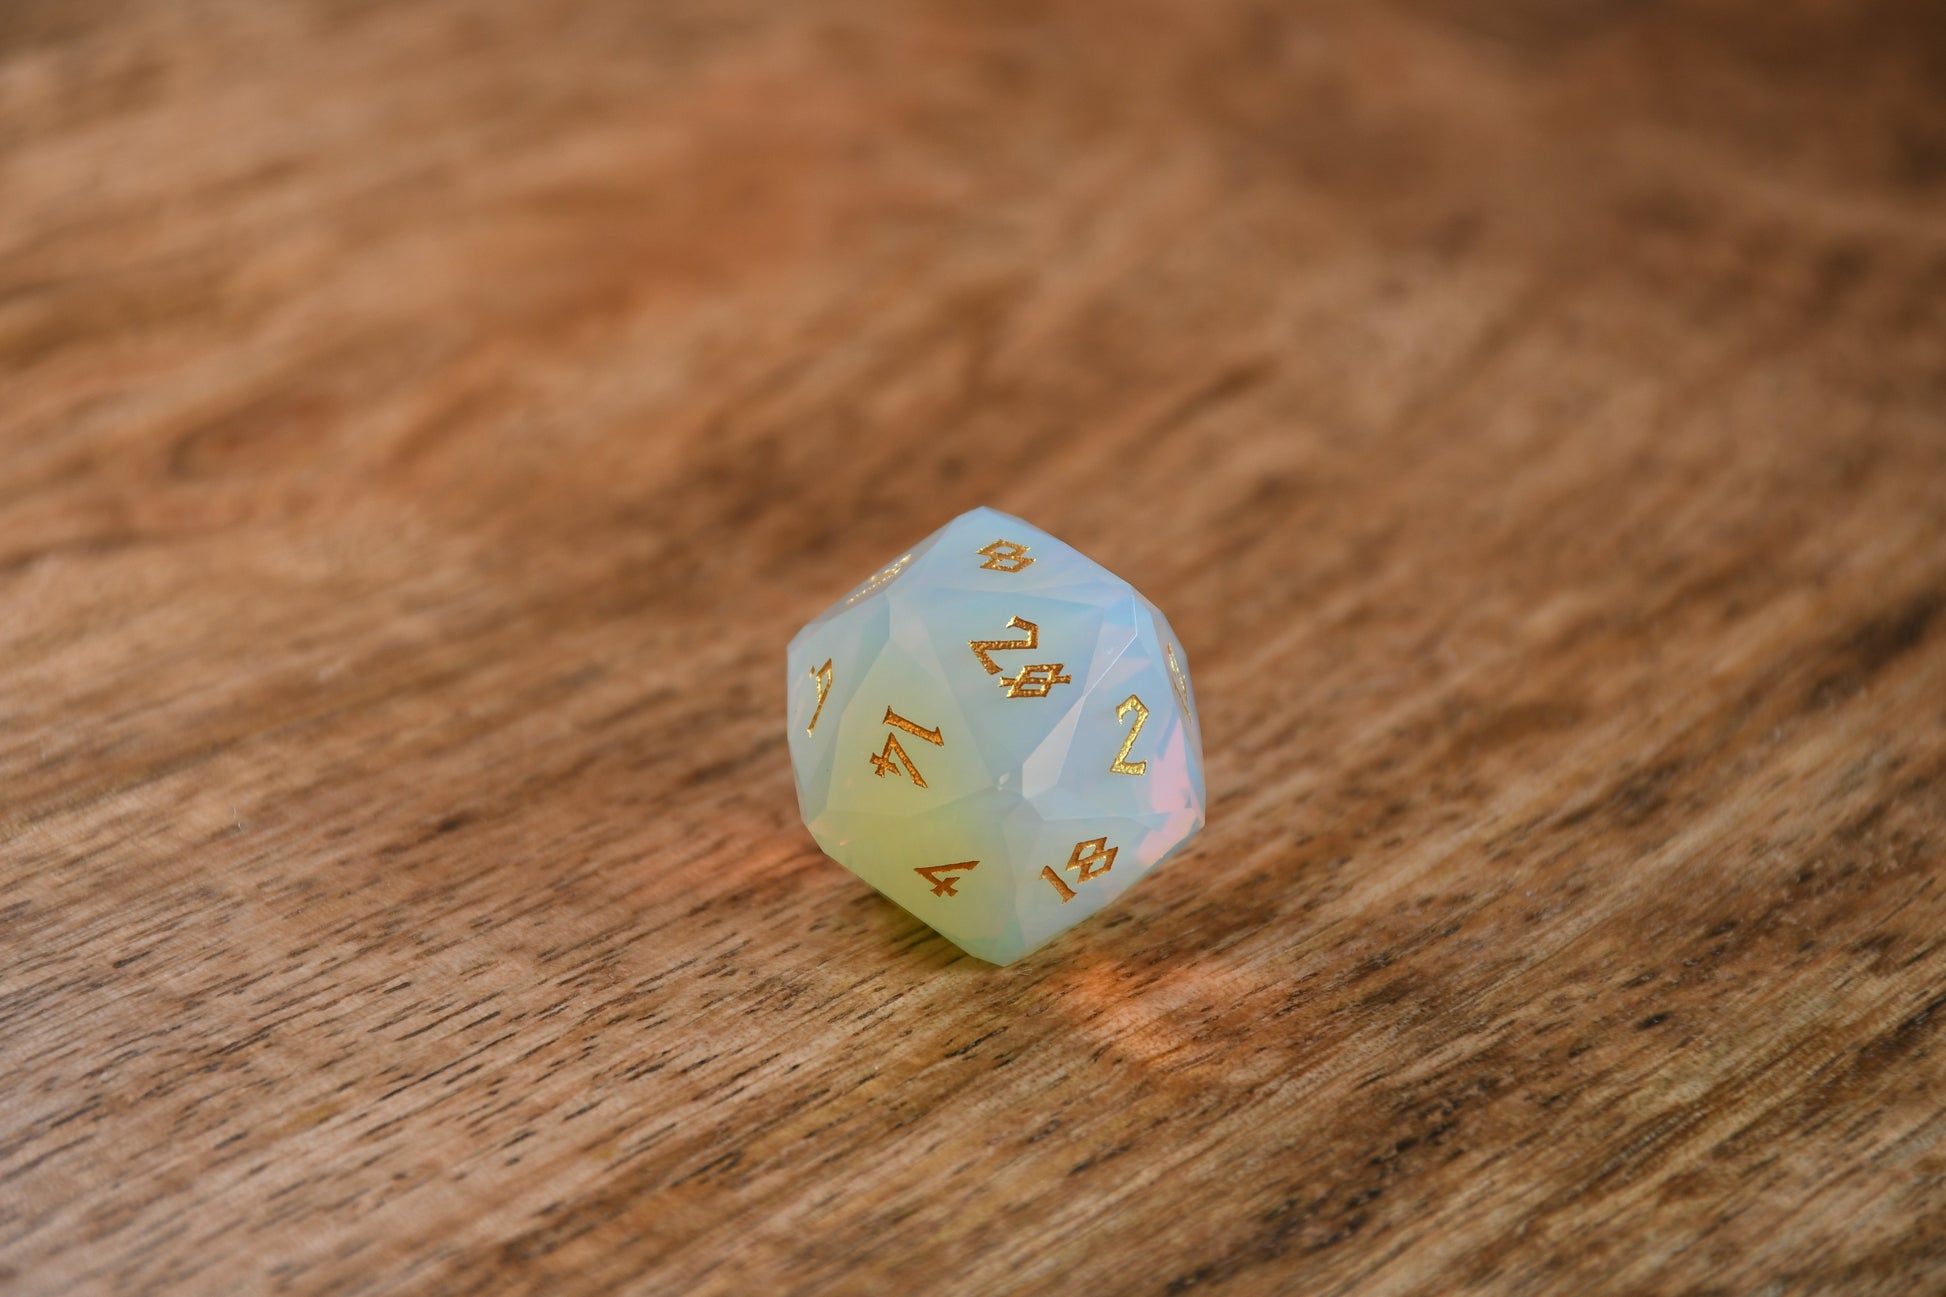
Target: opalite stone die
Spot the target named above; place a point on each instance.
(996, 733)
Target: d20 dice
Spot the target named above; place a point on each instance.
(996, 733)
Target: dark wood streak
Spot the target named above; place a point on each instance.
(424, 425)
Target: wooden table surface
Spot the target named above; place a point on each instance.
(422, 425)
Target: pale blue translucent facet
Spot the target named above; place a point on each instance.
(1021, 784)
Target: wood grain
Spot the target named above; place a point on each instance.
(422, 425)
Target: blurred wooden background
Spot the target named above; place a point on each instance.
(422, 425)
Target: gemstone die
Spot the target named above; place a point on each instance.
(995, 732)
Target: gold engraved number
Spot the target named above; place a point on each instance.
(1032, 681)
(1004, 556)
(1100, 858)
(981, 647)
(1123, 766)
(1176, 677)
(941, 876)
(823, 676)
(882, 760)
